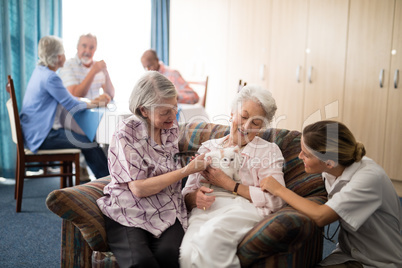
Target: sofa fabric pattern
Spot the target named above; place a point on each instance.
(78, 205)
(286, 238)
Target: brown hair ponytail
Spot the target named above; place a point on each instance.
(332, 140)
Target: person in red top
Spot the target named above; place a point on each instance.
(151, 62)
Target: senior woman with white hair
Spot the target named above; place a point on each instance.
(45, 91)
(145, 214)
(219, 219)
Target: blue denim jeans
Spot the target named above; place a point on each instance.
(67, 139)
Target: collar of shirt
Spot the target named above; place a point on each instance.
(334, 184)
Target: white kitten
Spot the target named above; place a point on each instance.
(228, 160)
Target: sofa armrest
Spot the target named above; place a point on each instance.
(283, 231)
(78, 205)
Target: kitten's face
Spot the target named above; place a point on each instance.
(225, 158)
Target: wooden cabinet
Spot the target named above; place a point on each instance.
(248, 45)
(393, 130)
(325, 61)
(287, 60)
(307, 59)
(367, 72)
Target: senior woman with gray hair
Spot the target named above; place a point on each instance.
(144, 210)
(45, 91)
(219, 219)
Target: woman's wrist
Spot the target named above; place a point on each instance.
(231, 185)
(279, 191)
(185, 171)
(189, 200)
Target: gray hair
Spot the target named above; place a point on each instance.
(49, 48)
(88, 35)
(260, 96)
(150, 90)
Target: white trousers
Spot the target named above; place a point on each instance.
(213, 235)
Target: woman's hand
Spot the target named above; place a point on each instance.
(217, 177)
(202, 200)
(197, 164)
(199, 199)
(102, 100)
(271, 185)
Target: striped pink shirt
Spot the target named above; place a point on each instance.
(134, 155)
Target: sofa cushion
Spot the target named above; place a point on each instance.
(78, 205)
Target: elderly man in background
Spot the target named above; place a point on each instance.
(151, 62)
(84, 78)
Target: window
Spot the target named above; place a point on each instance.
(123, 30)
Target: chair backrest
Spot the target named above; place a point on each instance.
(201, 85)
(13, 114)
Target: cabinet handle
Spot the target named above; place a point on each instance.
(381, 77)
(396, 78)
(309, 74)
(298, 73)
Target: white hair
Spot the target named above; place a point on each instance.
(88, 35)
(49, 48)
(150, 90)
(259, 95)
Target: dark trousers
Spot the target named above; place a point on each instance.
(65, 139)
(135, 247)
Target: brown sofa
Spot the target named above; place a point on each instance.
(286, 238)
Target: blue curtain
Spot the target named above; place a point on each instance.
(23, 23)
(160, 28)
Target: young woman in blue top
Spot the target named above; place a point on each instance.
(360, 195)
(45, 91)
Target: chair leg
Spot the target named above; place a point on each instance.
(70, 177)
(20, 185)
(17, 170)
(77, 169)
(63, 178)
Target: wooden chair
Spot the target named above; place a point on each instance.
(63, 158)
(201, 85)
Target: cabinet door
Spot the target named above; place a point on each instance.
(368, 58)
(393, 131)
(325, 60)
(288, 40)
(248, 45)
